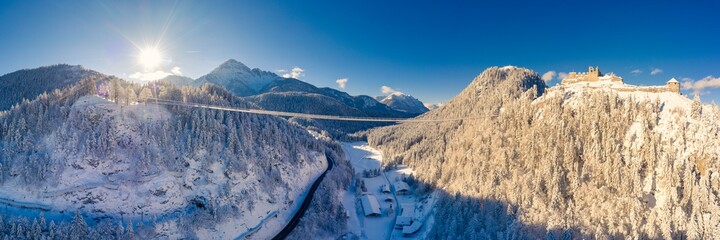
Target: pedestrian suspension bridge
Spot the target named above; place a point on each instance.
(302, 115)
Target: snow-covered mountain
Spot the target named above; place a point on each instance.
(256, 84)
(272, 92)
(29, 83)
(571, 161)
(239, 79)
(165, 172)
(403, 102)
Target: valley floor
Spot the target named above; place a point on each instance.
(365, 158)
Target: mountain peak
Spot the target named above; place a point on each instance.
(232, 64)
(405, 103)
(238, 78)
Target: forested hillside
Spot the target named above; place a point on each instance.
(570, 163)
(101, 161)
(27, 84)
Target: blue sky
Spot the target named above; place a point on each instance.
(429, 49)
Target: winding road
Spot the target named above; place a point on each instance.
(306, 203)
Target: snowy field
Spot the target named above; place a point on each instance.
(362, 158)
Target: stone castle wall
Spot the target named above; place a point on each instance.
(594, 75)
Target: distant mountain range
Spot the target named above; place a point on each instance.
(265, 89)
(269, 91)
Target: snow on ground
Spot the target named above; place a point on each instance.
(674, 114)
(349, 202)
(274, 225)
(363, 157)
(109, 186)
(423, 204)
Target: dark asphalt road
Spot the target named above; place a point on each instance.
(306, 203)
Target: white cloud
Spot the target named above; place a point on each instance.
(433, 106)
(151, 76)
(548, 76)
(296, 73)
(387, 90)
(562, 75)
(656, 71)
(176, 71)
(342, 82)
(636, 72)
(699, 85)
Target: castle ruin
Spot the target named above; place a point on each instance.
(593, 75)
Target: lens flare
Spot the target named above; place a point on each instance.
(150, 57)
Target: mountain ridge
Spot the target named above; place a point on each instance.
(271, 92)
(29, 83)
(404, 102)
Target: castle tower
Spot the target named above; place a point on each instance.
(593, 74)
(674, 85)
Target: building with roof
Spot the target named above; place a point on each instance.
(674, 85)
(385, 188)
(371, 206)
(407, 213)
(401, 188)
(413, 228)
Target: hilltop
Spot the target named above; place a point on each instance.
(577, 162)
(27, 84)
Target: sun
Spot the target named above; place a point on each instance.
(150, 57)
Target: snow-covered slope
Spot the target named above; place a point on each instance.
(403, 102)
(565, 162)
(169, 172)
(238, 78)
(29, 83)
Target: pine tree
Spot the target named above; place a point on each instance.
(129, 232)
(79, 229)
(120, 231)
(145, 93)
(696, 107)
(131, 96)
(43, 222)
(36, 230)
(52, 230)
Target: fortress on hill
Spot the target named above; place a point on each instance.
(595, 79)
